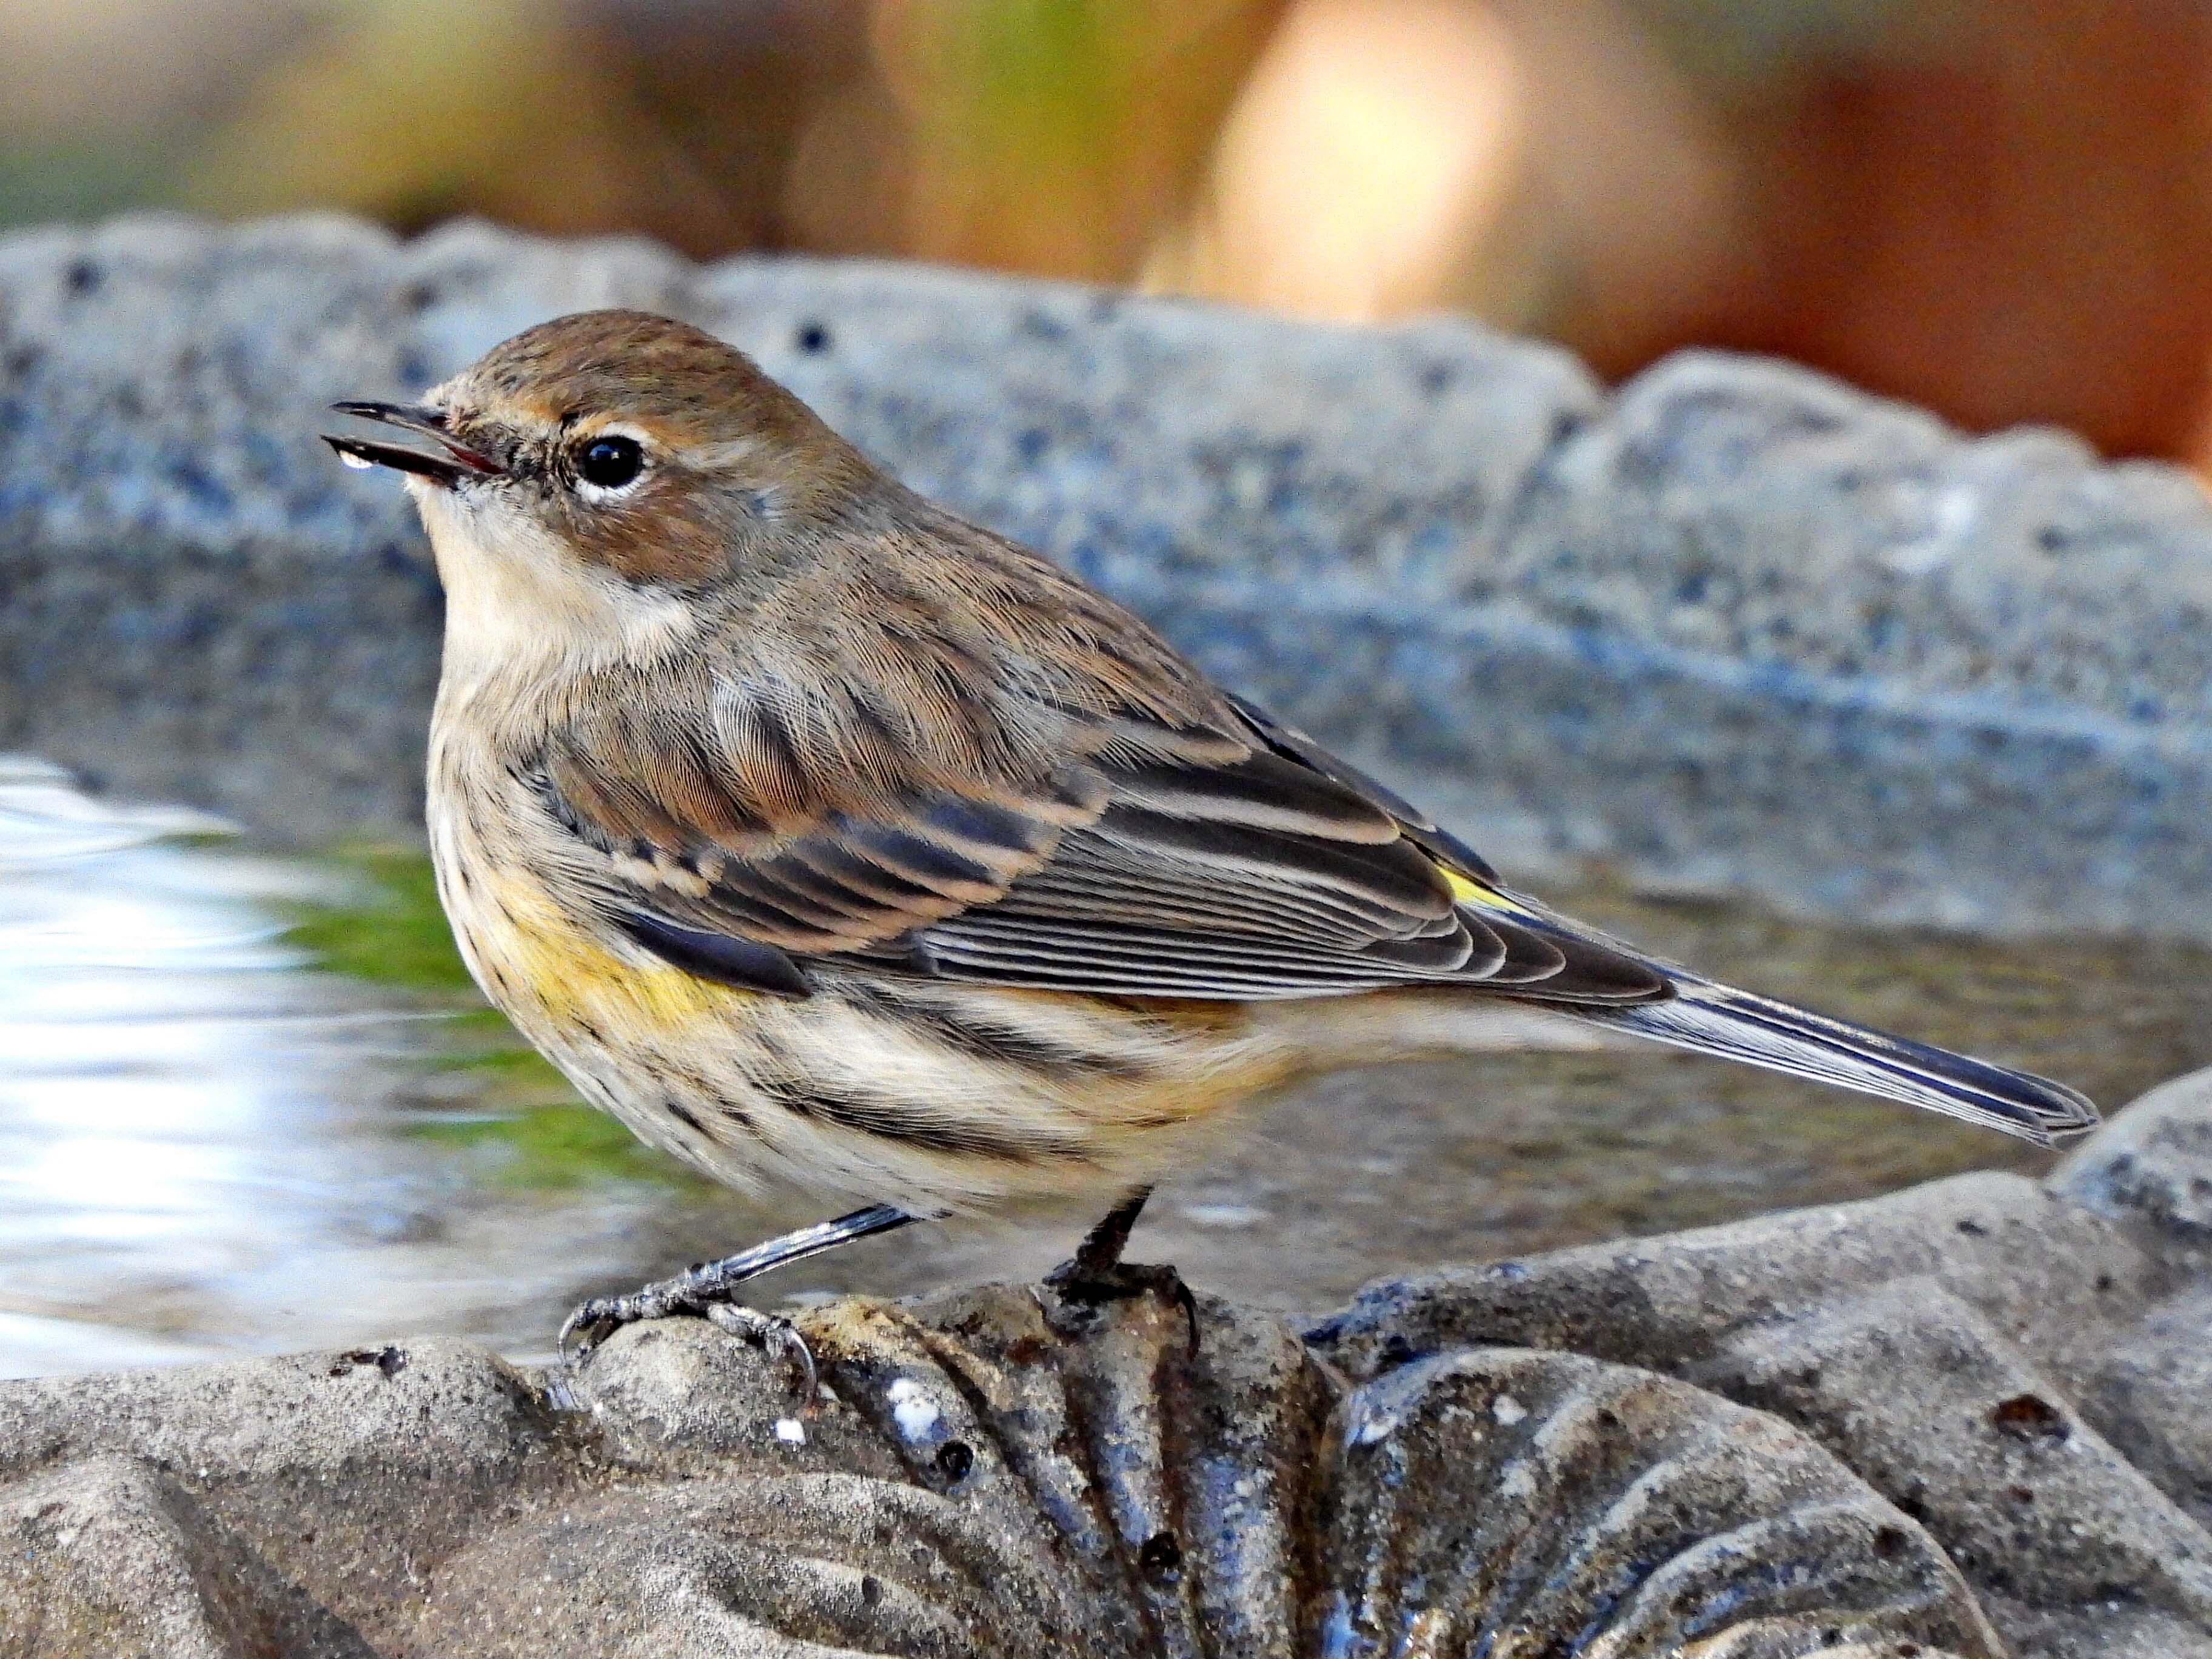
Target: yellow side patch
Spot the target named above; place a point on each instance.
(540, 953)
(578, 979)
(1467, 890)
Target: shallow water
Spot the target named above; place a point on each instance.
(249, 1105)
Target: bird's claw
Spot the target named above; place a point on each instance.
(601, 1316)
(779, 1339)
(1090, 1287)
(709, 1291)
(582, 1320)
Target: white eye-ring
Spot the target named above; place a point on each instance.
(610, 464)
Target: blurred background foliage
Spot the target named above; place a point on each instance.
(1999, 207)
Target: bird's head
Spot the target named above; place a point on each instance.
(593, 475)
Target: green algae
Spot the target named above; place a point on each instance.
(385, 926)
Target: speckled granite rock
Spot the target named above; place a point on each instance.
(1737, 626)
(1967, 1421)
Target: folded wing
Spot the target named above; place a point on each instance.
(1233, 859)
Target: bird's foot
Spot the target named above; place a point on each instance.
(600, 1318)
(709, 1291)
(779, 1339)
(1091, 1285)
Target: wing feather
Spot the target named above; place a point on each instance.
(1234, 859)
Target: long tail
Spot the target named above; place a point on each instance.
(1718, 1019)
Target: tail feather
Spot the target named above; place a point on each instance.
(1717, 1019)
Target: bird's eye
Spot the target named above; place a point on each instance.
(610, 462)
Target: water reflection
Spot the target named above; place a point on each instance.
(209, 1143)
(202, 1143)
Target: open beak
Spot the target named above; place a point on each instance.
(451, 462)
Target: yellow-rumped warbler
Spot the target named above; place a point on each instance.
(818, 834)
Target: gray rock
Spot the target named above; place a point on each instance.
(1826, 645)
(990, 1474)
(268, 1506)
(1736, 626)
(2154, 1162)
(1967, 1419)
(2022, 1368)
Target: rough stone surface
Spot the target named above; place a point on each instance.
(2022, 1368)
(1735, 627)
(989, 1474)
(1965, 1420)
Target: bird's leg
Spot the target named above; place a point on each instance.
(1100, 1253)
(1097, 1274)
(709, 1288)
